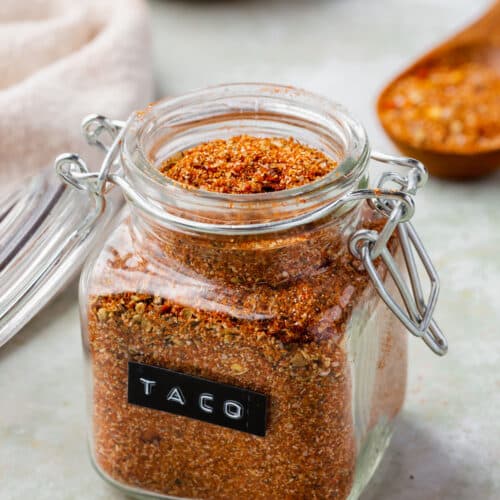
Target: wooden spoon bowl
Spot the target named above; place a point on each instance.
(480, 42)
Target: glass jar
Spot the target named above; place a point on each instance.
(241, 345)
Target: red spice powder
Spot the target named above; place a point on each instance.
(246, 164)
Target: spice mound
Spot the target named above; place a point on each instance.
(247, 164)
(447, 105)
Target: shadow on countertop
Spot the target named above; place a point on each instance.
(418, 466)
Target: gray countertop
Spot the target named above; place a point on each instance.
(447, 442)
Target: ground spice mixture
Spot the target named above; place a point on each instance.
(246, 164)
(449, 105)
(289, 315)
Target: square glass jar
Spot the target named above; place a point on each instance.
(235, 346)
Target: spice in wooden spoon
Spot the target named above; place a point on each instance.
(445, 108)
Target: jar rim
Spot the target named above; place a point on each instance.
(252, 100)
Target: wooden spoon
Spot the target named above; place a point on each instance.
(478, 42)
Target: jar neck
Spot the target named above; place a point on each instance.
(171, 126)
(278, 222)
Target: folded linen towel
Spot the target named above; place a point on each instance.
(59, 61)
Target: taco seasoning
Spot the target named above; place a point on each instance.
(236, 347)
(451, 104)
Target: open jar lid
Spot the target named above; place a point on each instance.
(43, 245)
(48, 228)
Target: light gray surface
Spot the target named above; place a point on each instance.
(447, 443)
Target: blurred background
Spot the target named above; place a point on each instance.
(446, 445)
(343, 49)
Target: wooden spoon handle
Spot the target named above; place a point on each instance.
(487, 27)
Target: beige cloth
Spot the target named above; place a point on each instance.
(61, 60)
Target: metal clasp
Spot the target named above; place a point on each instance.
(368, 245)
(397, 205)
(74, 171)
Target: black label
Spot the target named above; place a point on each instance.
(195, 397)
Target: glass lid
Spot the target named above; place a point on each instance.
(46, 231)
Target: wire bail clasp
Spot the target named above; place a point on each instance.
(72, 168)
(368, 245)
